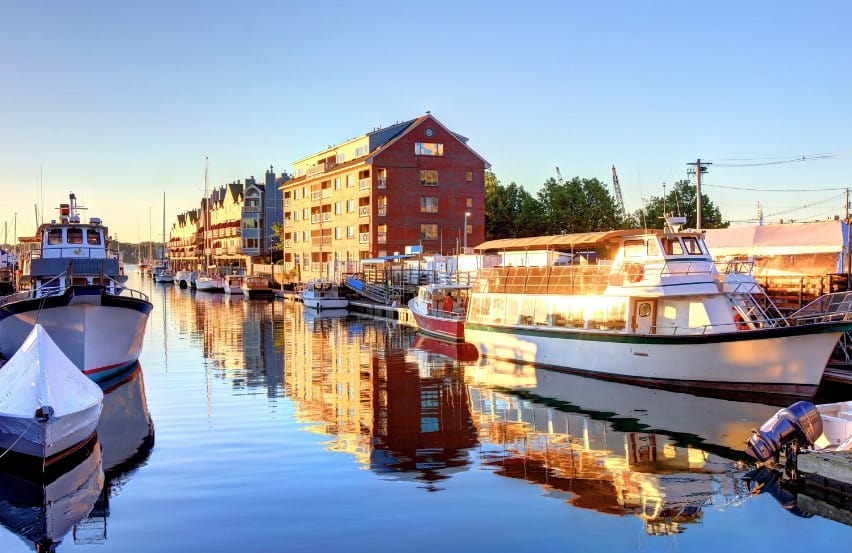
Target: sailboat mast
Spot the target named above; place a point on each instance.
(206, 219)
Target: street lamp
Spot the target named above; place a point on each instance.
(466, 215)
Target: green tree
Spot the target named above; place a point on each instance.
(510, 211)
(577, 205)
(681, 201)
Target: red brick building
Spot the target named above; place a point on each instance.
(415, 183)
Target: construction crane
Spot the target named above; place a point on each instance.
(559, 175)
(617, 190)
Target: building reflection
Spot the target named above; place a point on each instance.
(240, 339)
(614, 448)
(403, 412)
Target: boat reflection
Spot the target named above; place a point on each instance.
(615, 448)
(403, 413)
(42, 507)
(459, 351)
(126, 435)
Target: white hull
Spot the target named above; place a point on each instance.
(207, 284)
(769, 362)
(326, 303)
(100, 340)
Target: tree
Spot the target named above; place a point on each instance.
(681, 201)
(577, 205)
(510, 211)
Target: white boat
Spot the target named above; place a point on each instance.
(655, 310)
(212, 282)
(322, 294)
(233, 284)
(48, 405)
(257, 287)
(185, 278)
(72, 284)
(164, 275)
(439, 310)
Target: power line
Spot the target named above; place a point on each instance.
(778, 189)
(754, 162)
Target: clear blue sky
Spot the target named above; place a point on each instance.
(120, 102)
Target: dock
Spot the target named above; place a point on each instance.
(827, 484)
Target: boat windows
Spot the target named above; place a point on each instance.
(644, 309)
(75, 236)
(672, 246)
(93, 237)
(634, 248)
(692, 246)
(54, 236)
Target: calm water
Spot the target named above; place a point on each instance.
(274, 430)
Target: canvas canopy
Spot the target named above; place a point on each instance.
(783, 239)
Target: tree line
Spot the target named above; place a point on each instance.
(583, 205)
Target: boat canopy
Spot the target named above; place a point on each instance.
(556, 241)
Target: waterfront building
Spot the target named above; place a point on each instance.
(232, 227)
(263, 207)
(414, 184)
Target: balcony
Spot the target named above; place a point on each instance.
(364, 238)
(315, 217)
(288, 243)
(316, 194)
(381, 182)
(326, 217)
(364, 184)
(287, 202)
(383, 211)
(364, 211)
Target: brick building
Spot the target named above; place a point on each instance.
(415, 183)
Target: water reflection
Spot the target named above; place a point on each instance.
(42, 507)
(618, 449)
(400, 411)
(126, 435)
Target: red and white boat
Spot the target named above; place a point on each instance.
(439, 310)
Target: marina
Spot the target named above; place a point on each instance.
(273, 422)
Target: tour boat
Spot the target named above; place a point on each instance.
(48, 405)
(256, 287)
(650, 306)
(72, 284)
(233, 284)
(322, 294)
(439, 310)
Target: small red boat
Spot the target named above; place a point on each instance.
(440, 309)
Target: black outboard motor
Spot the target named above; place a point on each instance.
(797, 425)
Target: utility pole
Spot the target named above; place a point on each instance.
(698, 169)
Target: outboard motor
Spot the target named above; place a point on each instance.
(797, 425)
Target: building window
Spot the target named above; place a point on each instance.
(338, 208)
(296, 194)
(428, 204)
(340, 158)
(337, 184)
(350, 180)
(362, 151)
(350, 231)
(306, 214)
(428, 177)
(469, 202)
(338, 233)
(469, 176)
(428, 149)
(428, 231)
(350, 206)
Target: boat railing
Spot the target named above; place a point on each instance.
(56, 286)
(836, 306)
(734, 267)
(555, 279)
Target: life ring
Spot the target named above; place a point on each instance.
(740, 322)
(634, 272)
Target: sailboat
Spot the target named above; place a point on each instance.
(209, 282)
(162, 272)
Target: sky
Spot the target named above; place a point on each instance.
(121, 102)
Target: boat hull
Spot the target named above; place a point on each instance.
(206, 284)
(450, 329)
(789, 360)
(325, 303)
(102, 334)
